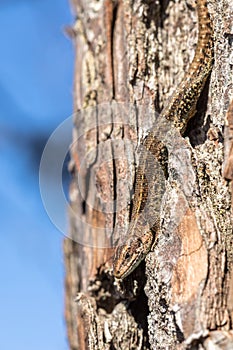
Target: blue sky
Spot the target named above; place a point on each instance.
(36, 79)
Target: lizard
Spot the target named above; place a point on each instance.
(181, 107)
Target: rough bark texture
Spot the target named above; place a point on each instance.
(130, 56)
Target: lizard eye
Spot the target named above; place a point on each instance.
(127, 255)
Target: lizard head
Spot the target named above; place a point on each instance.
(129, 255)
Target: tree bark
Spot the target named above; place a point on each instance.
(130, 57)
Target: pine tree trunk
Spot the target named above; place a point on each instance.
(130, 57)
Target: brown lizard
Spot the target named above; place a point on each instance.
(150, 184)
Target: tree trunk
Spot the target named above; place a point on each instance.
(130, 57)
